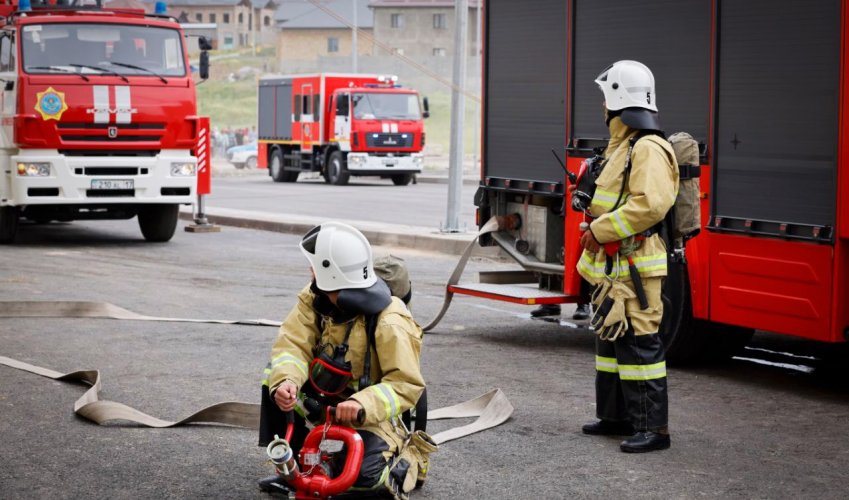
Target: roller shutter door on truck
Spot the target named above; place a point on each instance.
(671, 37)
(778, 91)
(525, 94)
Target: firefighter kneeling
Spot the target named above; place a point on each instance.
(625, 258)
(349, 343)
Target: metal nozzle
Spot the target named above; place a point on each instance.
(280, 453)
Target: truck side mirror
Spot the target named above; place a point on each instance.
(426, 113)
(204, 65)
(204, 43)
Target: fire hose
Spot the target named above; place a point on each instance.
(491, 409)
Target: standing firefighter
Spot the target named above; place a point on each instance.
(625, 258)
(349, 343)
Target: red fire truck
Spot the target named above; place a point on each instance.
(340, 125)
(99, 116)
(761, 84)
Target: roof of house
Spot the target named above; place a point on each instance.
(306, 14)
(419, 3)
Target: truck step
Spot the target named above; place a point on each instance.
(517, 293)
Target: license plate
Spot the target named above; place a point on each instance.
(110, 184)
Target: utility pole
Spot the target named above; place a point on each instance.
(354, 39)
(479, 72)
(458, 109)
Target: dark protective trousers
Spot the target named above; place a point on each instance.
(631, 381)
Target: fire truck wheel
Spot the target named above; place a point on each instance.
(275, 166)
(337, 171)
(684, 344)
(8, 224)
(402, 179)
(158, 222)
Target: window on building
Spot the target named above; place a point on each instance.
(199, 17)
(241, 18)
(396, 20)
(266, 21)
(228, 40)
(439, 52)
(332, 44)
(212, 18)
(225, 18)
(439, 22)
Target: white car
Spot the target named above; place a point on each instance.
(243, 156)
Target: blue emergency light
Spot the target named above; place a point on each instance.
(24, 6)
(160, 8)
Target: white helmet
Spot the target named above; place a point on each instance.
(340, 257)
(628, 84)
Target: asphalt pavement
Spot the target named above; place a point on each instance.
(412, 216)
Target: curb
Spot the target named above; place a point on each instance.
(379, 234)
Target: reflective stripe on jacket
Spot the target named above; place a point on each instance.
(650, 193)
(395, 375)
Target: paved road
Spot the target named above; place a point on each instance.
(740, 430)
(367, 199)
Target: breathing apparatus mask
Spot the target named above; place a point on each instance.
(329, 375)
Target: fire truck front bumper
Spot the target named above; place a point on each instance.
(45, 177)
(366, 164)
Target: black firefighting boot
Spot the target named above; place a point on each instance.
(644, 441)
(608, 428)
(546, 310)
(274, 485)
(582, 312)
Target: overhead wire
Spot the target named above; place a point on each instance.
(394, 53)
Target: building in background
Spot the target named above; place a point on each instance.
(312, 34)
(238, 23)
(421, 29)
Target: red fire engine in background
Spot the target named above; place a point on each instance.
(761, 84)
(340, 125)
(99, 116)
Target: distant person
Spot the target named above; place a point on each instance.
(631, 385)
(324, 355)
(582, 307)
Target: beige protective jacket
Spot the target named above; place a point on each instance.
(395, 375)
(650, 193)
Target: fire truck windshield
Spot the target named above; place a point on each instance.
(102, 49)
(386, 106)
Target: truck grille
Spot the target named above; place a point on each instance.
(124, 132)
(389, 140)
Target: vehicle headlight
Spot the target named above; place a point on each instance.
(183, 169)
(418, 160)
(356, 159)
(34, 169)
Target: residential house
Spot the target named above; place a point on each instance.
(421, 29)
(314, 31)
(238, 23)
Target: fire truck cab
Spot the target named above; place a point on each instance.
(99, 117)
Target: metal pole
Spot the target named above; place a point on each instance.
(479, 73)
(458, 108)
(354, 39)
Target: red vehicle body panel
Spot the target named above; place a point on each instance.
(784, 285)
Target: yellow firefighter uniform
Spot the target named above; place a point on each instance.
(395, 375)
(650, 192)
